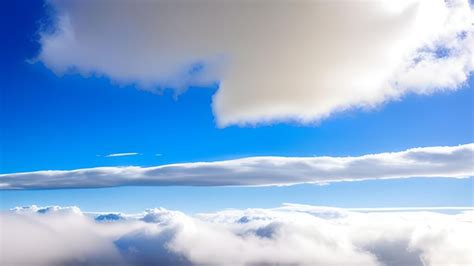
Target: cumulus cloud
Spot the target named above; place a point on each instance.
(450, 162)
(274, 60)
(288, 235)
(53, 236)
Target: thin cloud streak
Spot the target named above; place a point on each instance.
(122, 154)
(448, 162)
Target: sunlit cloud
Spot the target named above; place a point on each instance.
(274, 60)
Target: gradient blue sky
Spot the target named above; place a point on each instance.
(51, 122)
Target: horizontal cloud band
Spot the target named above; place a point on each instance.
(454, 162)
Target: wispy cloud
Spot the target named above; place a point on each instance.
(449, 161)
(288, 235)
(122, 154)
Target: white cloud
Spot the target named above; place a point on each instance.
(122, 154)
(53, 237)
(275, 60)
(291, 234)
(452, 162)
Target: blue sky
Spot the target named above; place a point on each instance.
(65, 122)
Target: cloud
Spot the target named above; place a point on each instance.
(291, 234)
(122, 154)
(274, 60)
(450, 162)
(56, 236)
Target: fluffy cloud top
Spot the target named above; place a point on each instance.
(455, 162)
(289, 235)
(274, 60)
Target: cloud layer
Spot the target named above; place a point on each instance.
(450, 162)
(274, 60)
(289, 235)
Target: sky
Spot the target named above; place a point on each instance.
(177, 132)
(73, 120)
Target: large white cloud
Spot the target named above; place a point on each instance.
(289, 235)
(275, 60)
(453, 162)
